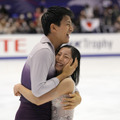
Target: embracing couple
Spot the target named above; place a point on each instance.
(51, 72)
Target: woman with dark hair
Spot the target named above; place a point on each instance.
(74, 54)
(63, 55)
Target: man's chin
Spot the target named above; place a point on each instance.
(67, 41)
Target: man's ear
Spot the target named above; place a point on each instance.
(53, 28)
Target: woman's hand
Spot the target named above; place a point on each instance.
(72, 102)
(16, 90)
(70, 68)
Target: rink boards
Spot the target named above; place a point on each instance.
(90, 45)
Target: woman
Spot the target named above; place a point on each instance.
(63, 56)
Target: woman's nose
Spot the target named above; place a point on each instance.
(60, 58)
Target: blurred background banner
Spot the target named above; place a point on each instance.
(90, 45)
(17, 46)
(96, 45)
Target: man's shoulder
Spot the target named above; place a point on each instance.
(41, 49)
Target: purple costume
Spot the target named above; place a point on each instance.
(38, 75)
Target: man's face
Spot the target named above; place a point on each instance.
(64, 30)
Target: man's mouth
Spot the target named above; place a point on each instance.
(67, 35)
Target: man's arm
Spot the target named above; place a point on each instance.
(40, 64)
(73, 101)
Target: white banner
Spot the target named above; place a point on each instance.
(96, 43)
(17, 45)
(88, 44)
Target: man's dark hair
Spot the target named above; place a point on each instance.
(54, 15)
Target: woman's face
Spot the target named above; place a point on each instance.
(62, 58)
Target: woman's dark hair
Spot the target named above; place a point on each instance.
(54, 15)
(75, 54)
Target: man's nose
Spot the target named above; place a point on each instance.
(71, 28)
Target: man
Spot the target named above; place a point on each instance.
(39, 70)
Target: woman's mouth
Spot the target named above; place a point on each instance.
(59, 64)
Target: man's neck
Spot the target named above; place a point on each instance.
(54, 41)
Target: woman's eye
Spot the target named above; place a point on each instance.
(66, 56)
(58, 54)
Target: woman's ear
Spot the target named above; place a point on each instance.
(53, 28)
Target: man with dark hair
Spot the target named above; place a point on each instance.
(38, 73)
(54, 15)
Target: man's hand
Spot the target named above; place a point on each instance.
(72, 102)
(70, 68)
(16, 90)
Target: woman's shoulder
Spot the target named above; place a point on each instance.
(69, 79)
(69, 83)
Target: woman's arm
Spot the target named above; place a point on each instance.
(65, 86)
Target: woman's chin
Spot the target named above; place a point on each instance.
(59, 71)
